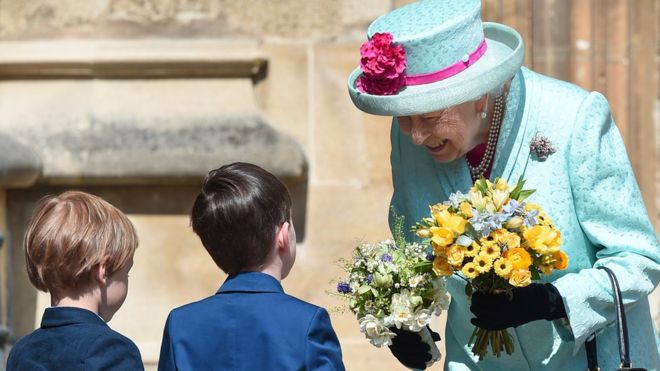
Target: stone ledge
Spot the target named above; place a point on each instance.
(111, 153)
(130, 59)
(139, 132)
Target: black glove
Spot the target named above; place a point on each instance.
(408, 348)
(530, 303)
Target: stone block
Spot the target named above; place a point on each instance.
(348, 144)
(284, 94)
(19, 165)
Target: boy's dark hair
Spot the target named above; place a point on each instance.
(237, 214)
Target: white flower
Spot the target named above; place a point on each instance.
(415, 280)
(375, 330)
(440, 296)
(401, 309)
(420, 319)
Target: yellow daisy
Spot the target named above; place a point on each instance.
(503, 268)
(472, 249)
(491, 250)
(482, 262)
(470, 270)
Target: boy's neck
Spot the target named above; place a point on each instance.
(71, 298)
(275, 273)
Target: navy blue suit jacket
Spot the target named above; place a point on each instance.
(74, 339)
(250, 324)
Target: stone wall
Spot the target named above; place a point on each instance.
(311, 47)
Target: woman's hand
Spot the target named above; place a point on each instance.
(408, 348)
(530, 303)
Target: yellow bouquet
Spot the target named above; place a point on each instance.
(496, 242)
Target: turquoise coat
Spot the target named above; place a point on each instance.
(589, 190)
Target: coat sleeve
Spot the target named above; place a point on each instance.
(322, 351)
(612, 215)
(113, 353)
(166, 360)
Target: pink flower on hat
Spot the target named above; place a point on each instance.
(383, 65)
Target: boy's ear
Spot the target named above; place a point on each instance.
(282, 236)
(100, 271)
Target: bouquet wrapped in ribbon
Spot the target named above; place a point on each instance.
(392, 284)
(496, 241)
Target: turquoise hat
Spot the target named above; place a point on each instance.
(430, 55)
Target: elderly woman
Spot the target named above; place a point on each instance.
(463, 107)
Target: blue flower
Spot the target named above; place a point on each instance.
(530, 218)
(343, 288)
(370, 277)
(430, 257)
(486, 222)
(455, 199)
(386, 257)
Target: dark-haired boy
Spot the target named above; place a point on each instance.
(243, 218)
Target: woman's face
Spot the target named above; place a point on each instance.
(449, 133)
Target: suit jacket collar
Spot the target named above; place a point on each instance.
(62, 316)
(250, 282)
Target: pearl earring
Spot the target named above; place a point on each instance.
(483, 114)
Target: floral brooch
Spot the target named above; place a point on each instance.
(541, 146)
(383, 64)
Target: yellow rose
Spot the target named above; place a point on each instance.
(482, 263)
(441, 267)
(466, 209)
(511, 240)
(561, 260)
(519, 258)
(440, 214)
(497, 235)
(520, 277)
(472, 249)
(439, 250)
(455, 255)
(470, 270)
(456, 224)
(542, 239)
(442, 236)
(503, 268)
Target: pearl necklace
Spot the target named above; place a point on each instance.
(478, 171)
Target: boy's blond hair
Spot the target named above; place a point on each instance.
(72, 232)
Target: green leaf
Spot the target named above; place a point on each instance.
(482, 186)
(471, 232)
(516, 191)
(535, 274)
(468, 290)
(525, 193)
(364, 289)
